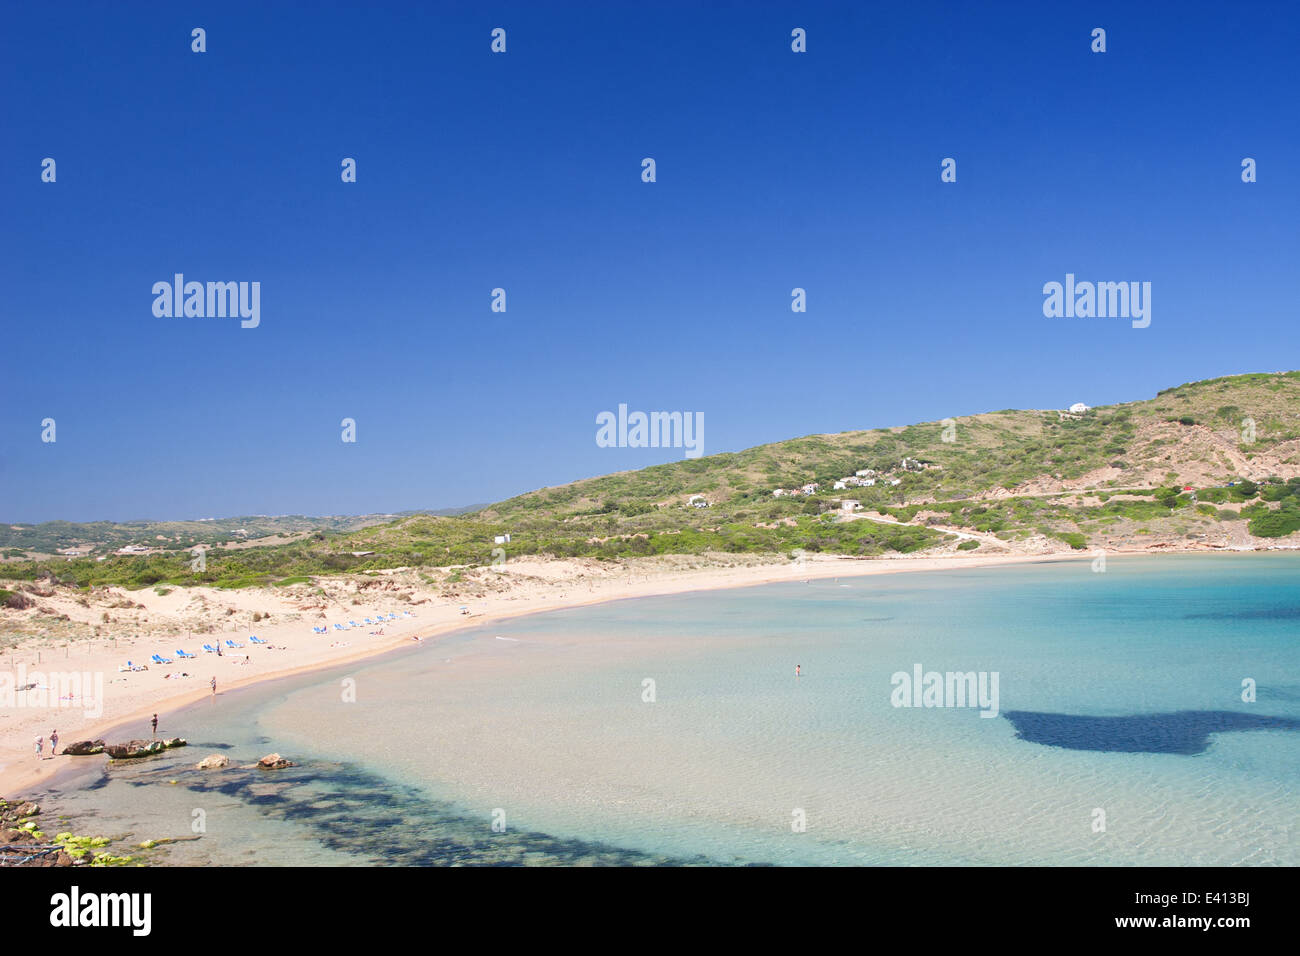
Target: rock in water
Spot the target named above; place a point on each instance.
(214, 762)
(136, 748)
(275, 762)
(84, 748)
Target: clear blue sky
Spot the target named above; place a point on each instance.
(775, 170)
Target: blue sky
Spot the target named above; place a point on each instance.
(523, 171)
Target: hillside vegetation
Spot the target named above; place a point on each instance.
(1214, 462)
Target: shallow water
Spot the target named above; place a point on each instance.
(1118, 693)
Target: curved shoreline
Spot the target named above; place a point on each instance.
(16, 779)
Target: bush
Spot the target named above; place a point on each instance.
(1275, 524)
(16, 600)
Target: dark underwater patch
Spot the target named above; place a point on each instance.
(381, 823)
(1185, 732)
(1288, 613)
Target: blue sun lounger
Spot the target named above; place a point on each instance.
(187, 654)
(209, 649)
(256, 640)
(230, 643)
(158, 659)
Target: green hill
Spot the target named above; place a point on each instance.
(1103, 478)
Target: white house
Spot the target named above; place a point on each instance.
(811, 487)
(698, 501)
(896, 481)
(865, 472)
(841, 484)
(501, 539)
(779, 493)
(1078, 408)
(868, 482)
(848, 504)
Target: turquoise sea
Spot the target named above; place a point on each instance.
(674, 730)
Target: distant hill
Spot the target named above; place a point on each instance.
(102, 537)
(1213, 464)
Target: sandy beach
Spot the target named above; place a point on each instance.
(487, 595)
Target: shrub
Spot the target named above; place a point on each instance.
(16, 600)
(1275, 524)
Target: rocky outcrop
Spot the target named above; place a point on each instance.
(136, 748)
(84, 748)
(141, 748)
(21, 842)
(275, 762)
(214, 762)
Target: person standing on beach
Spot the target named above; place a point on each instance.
(214, 685)
(54, 742)
(153, 725)
(40, 744)
(798, 670)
